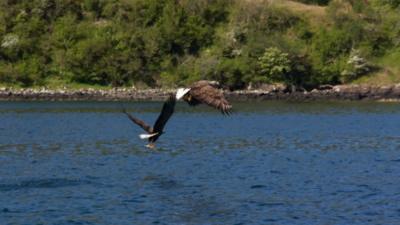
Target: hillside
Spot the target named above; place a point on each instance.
(152, 43)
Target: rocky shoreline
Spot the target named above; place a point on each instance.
(266, 92)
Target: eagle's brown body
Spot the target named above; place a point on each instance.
(208, 93)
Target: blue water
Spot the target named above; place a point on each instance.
(268, 163)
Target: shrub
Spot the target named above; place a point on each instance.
(328, 73)
(261, 16)
(330, 44)
(231, 73)
(7, 73)
(356, 66)
(29, 72)
(392, 3)
(275, 66)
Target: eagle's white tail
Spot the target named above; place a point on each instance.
(145, 136)
(181, 92)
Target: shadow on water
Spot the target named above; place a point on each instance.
(180, 202)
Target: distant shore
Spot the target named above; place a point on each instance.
(267, 92)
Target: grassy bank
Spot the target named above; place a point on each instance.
(152, 43)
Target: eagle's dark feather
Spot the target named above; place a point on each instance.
(205, 92)
(166, 113)
(139, 122)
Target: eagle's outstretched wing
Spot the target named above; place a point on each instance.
(204, 92)
(166, 113)
(139, 122)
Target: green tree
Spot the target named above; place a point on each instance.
(275, 66)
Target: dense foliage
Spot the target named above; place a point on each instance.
(171, 42)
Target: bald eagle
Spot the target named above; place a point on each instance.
(153, 133)
(206, 92)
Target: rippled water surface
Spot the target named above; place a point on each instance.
(269, 163)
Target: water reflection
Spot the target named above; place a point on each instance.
(272, 107)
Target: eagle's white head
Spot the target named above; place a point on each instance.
(181, 92)
(214, 83)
